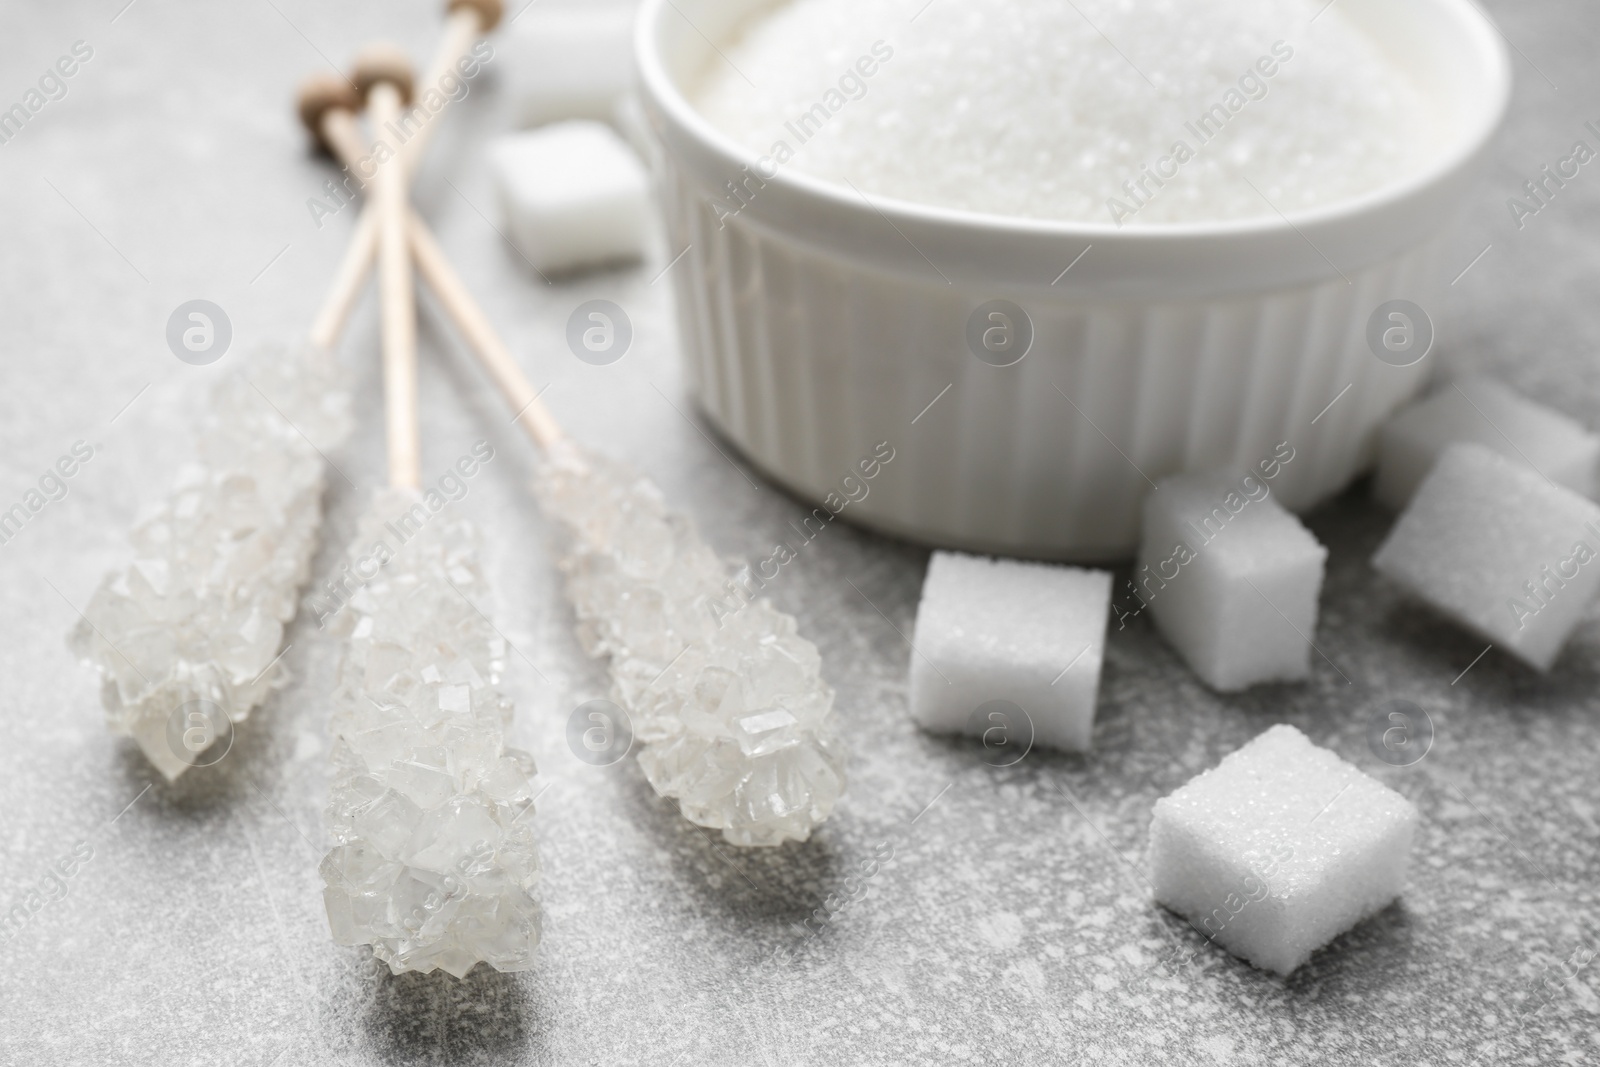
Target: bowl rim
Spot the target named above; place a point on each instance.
(1493, 52)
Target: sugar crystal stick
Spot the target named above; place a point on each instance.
(188, 638)
(434, 862)
(733, 716)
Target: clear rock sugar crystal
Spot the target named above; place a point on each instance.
(191, 631)
(434, 863)
(734, 718)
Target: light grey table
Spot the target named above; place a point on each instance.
(1012, 924)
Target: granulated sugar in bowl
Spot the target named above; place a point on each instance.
(1052, 251)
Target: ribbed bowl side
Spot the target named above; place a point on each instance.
(807, 361)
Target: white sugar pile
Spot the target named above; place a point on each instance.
(1090, 110)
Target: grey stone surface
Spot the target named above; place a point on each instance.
(1012, 923)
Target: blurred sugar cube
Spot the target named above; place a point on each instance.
(573, 195)
(1493, 545)
(1001, 630)
(569, 61)
(1279, 849)
(1231, 578)
(1480, 410)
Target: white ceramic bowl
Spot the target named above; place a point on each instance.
(815, 323)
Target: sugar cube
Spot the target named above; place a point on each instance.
(1481, 411)
(569, 63)
(1279, 849)
(1031, 634)
(1231, 578)
(1493, 545)
(573, 195)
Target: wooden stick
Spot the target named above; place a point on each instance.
(339, 131)
(531, 414)
(322, 95)
(465, 21)
(347, 283)
(384, 78)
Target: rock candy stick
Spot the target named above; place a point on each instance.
(188, 638)
(434, 862)
(734, 718)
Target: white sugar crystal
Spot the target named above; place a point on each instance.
(1031, 634)
(729, 703)
(455, 699)
(1480, 410)
(1500, 550)
(1041, 107)
(1231, 578)
(1279, 849)
(568, 63)
(434, 862)
(573, 194)
(199, 613)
